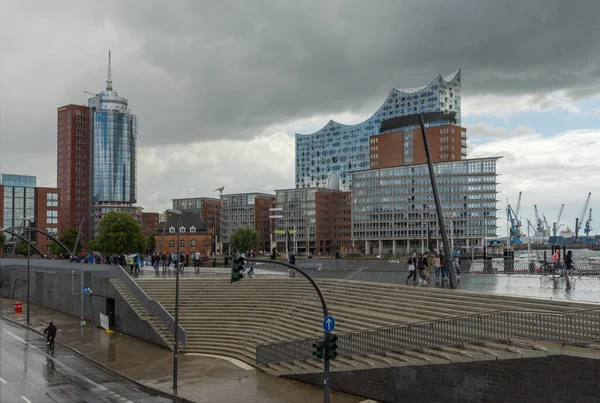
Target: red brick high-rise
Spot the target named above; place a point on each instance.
(47, 216)
(73, 168)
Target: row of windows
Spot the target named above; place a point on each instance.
(182, 230)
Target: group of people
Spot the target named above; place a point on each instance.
(419, 265)
(568, 264)
(165, 261)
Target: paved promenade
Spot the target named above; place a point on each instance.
(201, 378)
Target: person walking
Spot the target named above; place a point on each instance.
(569, 263)
(412, 268)
(436, 267)
(251, 255)
(197, 261)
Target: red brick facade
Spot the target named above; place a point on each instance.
(47, 216)
(262, 224)
(333, 223)
(73, 168)
(445, 143)
(149, 223)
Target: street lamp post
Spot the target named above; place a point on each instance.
(28, 273)
(176, 330)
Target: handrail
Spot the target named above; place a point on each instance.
(492, 325)
(293, 307)
(154, 307)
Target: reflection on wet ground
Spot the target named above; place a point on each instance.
(203, 379)
(578, 289)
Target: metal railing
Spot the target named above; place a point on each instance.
(568, 327)
(154, 307)
(291, 309)
(528, 266)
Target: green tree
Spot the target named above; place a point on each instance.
(151, 241)
(243, 239)
(68, 239)
(22, 248)
(2, 240)
(119, 234)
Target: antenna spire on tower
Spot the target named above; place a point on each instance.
(109, 76)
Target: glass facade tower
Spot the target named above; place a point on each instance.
(113, 154)
(19, 200)
(342, 148)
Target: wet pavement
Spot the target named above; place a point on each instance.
(28, 374)
(201, 378)
(585, 289)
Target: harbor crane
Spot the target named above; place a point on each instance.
(514, 225)
(518, 210)
(530, 226)
(588, 224)
(546, 226)
(220, 190)
(579, 220)
(539, 225)
(556, 225)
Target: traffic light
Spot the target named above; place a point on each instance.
(319, 349)
(332, 346)
(237, 267)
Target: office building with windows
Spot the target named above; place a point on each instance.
(26, 205)
(113, 152)
(393, 210)
(247, 210)
(316, 220)
(73, 168)
(342, 149)
(97, 160)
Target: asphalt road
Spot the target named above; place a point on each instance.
(29, 375)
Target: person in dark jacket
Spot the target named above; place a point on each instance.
(569, 262)
(50, 332)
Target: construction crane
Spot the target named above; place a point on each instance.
(579, 220)
(556, 225)
(538, 221)
(588, 225)
(220, 190)
(515, 226)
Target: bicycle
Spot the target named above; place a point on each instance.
(50, 346)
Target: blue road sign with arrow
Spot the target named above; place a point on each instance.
(328, 323)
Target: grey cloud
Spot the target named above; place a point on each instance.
(202, 70)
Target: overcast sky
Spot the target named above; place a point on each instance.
(220, 87)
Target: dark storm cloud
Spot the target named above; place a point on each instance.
(200, 70)
(247, 64)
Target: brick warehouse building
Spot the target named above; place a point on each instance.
(195, 235)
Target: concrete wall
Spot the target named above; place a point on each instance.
(549, 379)
(59, 291)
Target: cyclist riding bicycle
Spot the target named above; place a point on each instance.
(51, 332)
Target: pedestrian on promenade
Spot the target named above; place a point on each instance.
(437, 267)
(252, 255)
(197, 261)
(569, 263)
(422, 267)
(555, 258)
(163, 261)
(412, 268)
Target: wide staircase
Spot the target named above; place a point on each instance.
(233, 319)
